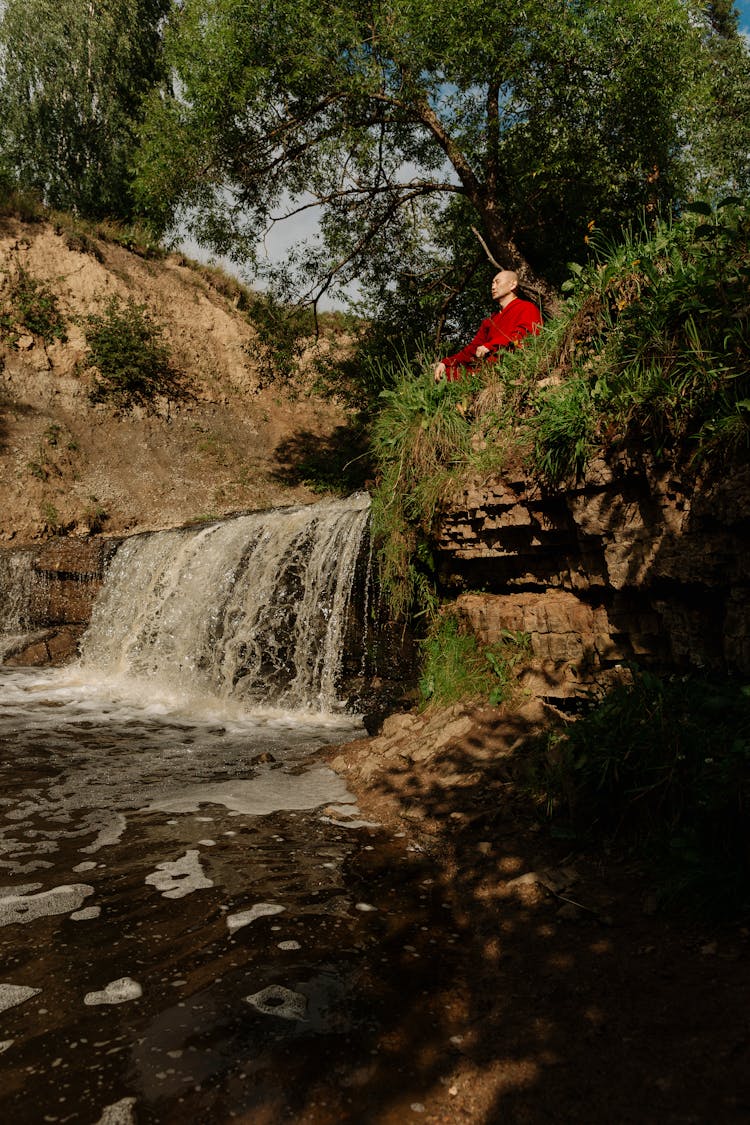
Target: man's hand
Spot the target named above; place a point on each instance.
(482, 351)
(439, 372)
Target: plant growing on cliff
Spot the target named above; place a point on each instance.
(132, 361)
(29, 305)
(419, 438)
(456, 666)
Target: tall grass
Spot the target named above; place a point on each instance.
(455, 666)
(420, 439)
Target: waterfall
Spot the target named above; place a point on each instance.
(252, 608)
(21, 587)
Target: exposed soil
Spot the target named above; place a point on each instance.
(569, 996)
(67, 465)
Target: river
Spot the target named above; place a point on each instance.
(196, 923)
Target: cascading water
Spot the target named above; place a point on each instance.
(251, 609)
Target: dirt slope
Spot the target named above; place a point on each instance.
(66, 465)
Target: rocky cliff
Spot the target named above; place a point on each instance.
(632, 563)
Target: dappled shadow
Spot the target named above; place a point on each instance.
(337, 461)
(521, 981)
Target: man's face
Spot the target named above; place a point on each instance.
(503, 283)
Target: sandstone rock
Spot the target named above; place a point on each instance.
(453, 731)
(398, 724)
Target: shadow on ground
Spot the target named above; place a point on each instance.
(541, 986)
(339, 461)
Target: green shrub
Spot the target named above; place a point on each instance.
(132, 360)
(455, 666)
(662, 767)
(28, 305)
(19, 203)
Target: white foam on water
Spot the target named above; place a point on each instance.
(245, 917)
(58, 900)
(116, 992)
(267, 793)
(13, 994)
(180, 877)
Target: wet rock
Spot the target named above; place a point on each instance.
(278, 1001)
(262, 759)
(569, 912)
(116, 992)
(13, 994)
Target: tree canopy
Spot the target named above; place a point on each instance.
(73, 75)
(407, 122)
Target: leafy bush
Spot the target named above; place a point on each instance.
(20, 203)
(663, 767)
(29, 305)
(564, 431)
(130, 356)
(455, 666)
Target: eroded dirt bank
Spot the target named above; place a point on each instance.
(69, 466)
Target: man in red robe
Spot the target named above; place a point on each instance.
(515, 319)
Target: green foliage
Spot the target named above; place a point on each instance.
(665, 355)
(284, 332)
(73, 76)
(17, 202)
(130, 356)
(527, 128)
(455, 666)
(563, 430)
(51, 517)
(29, 305)
(662, 766)
(419, 438)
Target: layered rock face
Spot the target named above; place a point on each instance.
(54, 589)
(629, 565)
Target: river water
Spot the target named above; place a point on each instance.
(211, 873)
(196, 923)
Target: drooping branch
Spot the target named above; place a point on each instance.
(485, 247)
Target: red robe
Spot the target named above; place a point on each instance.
(503, 330)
